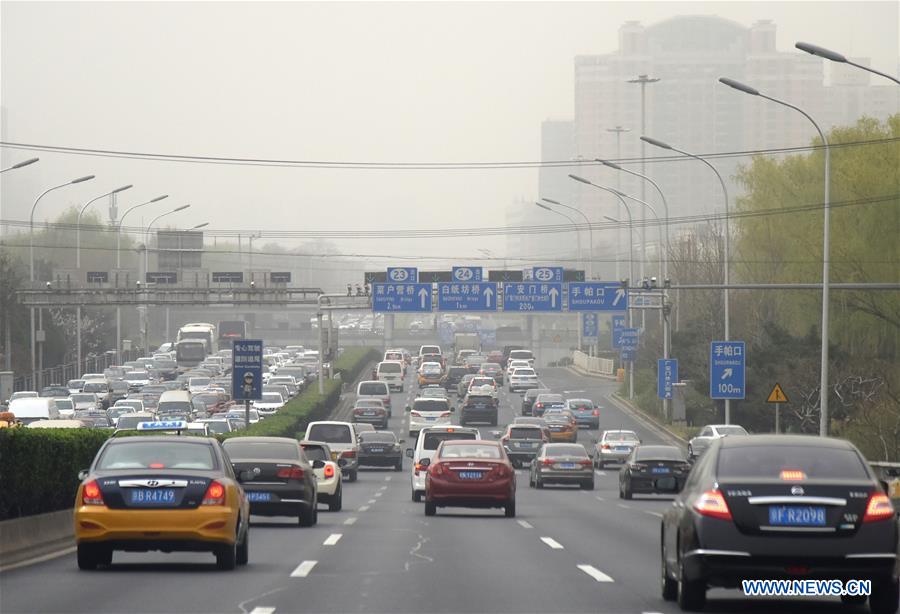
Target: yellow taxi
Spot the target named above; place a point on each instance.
(562, 425)
(430, 373)
(161, 492)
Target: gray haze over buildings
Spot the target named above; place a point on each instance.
(411, 82)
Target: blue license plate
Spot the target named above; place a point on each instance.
(660, 470)
(376, 449)
(796, 516)
(256, 497)
(567, 465)
(622, 449)
(470, 475)
(149, 497)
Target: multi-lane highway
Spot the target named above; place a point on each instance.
(568, 550)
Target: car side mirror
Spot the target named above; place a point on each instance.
(409, 452)
(318, 464)
(424, 462)
(82, 475)
(408, 408)
(401, 441)
(453, 410)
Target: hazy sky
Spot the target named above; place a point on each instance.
(399, 82)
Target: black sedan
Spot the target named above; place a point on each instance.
(276, 475)
(380, 449)
(780, 507)
(652, 470)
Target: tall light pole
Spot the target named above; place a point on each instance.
(21, 164)
(834, 56)
(78, 221)
(34, 373)
(203, 225)
(590, 232)
(574, 223)
(726, 264)
(826, 246)
(618, 130)
(630, 311)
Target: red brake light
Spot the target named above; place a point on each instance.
(415, 413)
(290, 473)
(91, 494)
(792, 475)
(878, 508)
(586, 462)
(605, 446)
(547, 461)
(539, 405)
(329, 471)
(445, 414)
(348, 454)
(215, 494)
(156, 466)
(712, 503)
(595, 413)
(436, 469)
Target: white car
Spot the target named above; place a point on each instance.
(198, 384)
(428, 412)
(329, 476)
(135, 405)
(517, 364)
(426, 445)
(270, 403)
(391, 373)
(483, 385)
(218, 426)
(522, 378)
(137, 379)
(86, 400)
(708, 434)
(66, 408)
(240, 414)
(99, 386)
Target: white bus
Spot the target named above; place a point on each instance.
(201, 331)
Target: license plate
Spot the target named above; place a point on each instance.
(376, 449)
(431, 419)
(660, 470)
(797, 516)
(470, 475)
(567, 465)
(259, 496)
(622, 449)
(151, 496)
(368, 413)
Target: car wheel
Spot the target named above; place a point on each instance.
(885, 598)
(853, 599)
(417, 496)
(531, 480)
(537, 482)
(337, 501)
(589, 485)
(510, 509)
(430, 508)
(691, 593)
(87, 557)
(351, 476)
(690, 452)
(226, 557)
(243, 551)
(601, 464)
(626, 491)
(668, 586)
(398, 466)
(307, 517)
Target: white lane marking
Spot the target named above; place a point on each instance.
(525, 524)
(623, 506)
(657, 514)
(350, 520)
(383, 488)
(262, 610)
(595, 573)
(599, 498)
(332, 539)
(387, 478)
(364, 508)
(378, 494)
(552, 543)
(370, 501)
(303, 569)
(600, 473)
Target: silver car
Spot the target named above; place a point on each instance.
(614, 447)
(709, 434)
(562, 463)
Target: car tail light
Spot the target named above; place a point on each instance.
(215, 494)
(586, 462)
(290, 473)
(329, 471)
(539, 405)
(639, 466)
(446, 414)
(348, 454)
(547, 462)
(878, 508)
(91, 494)
(605, 446)
(415, 414)
(712, 503)
(436, 469)
(792, 475)
(420, 468)
(595, 412)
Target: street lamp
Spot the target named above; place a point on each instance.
(204, 224)
(574, 223)
(834, 56)
(643, 80)
(147, 234)
(78, 221)
(31, 257)
(19, 164)
(826, 245)
(590, 233)
(619, 131)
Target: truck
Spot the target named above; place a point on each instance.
(201, 331)
(229, 330)
(466, 341)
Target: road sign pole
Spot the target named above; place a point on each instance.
(246, 413)
(78, 338)
(777, 418)
(331, 356)
(321, 351)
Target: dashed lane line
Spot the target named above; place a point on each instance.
(332, 539)
(364, 508)
(595, 573)
(371, 501)
(260, 610)
(623, 506)
(552, 543)
(525, 524)
(303, 569)
(350, 520)
(657, 514)
(599, 498)
(387, 478)
(600, 473)
(378, 494)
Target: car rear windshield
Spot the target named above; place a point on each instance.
(271, 397)
(96, 387)
(565, 450)
(525, 433)
(581, 405)
(768, 461)
(431, 405)
(199, 381)
(521, 355)
(731, 430)
(157, 455)
(174, 406)
(373, 388)
(551, 398)
(490, 366)
(520, 371)
(457, 371)
(390, 367)
(331, 433)
(238, 449)
(370, 437)
(430, 349)
(83, 398)
(625, 436)
(369, 403)
(465, 450)
(433, 440)
(662, 453)
(473, 399)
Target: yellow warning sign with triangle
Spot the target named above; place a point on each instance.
(777, 395)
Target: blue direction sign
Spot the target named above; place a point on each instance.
(547, 273)
(467, 273)
(666, 376)
(727, 370)
(532, 296)
(597, 296)
(246, 369)
(400, 296)
(589, 325)
(472, 296)
(402, 275)
(618, 325)
(629, 338)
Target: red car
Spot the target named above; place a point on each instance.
(467, 473)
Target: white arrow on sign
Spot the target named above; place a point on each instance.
(553, 294)
(488, 295)
(727, 373)
(423, 294)
(620, 294)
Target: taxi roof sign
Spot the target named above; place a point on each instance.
(777, 395)
(163, 425)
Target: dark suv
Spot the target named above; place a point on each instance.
(454, 375)
(529, 397)
(478, 408)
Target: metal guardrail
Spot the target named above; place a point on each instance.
(177, 296)
(60, 374)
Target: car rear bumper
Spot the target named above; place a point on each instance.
(285, 507)
(417, 424)
(610, 456)
(517, 385)
(561, 475)
(564, 436)
(648, 484)
(371, 419)
(469, 501)
(588, 421)
(479, 415)
(212, 523)
(379, 460)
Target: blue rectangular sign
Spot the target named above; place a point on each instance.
(546, 274)
(618, 325)
(597, 296)
(467, 273)
(727, 370)
(590, 327)
(666, 375)
(246, 369)
(392, 297)
(402, 275)
(471, 296)
(629, 338)
(627, 355)
(532, 296)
